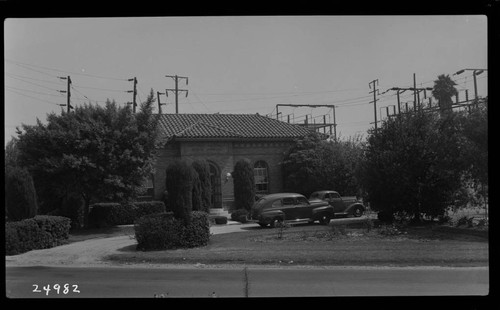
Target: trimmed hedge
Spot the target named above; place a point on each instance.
(163, 231)
(40, 232)
(111, 214)
(240, 215)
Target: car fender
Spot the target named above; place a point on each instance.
(322, 209)
(271, 214)
(350, 208)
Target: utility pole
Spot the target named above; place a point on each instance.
(176, 90)
(159, 103)
(134, 103)
(68, 92)
(334, 126)
(414, 92)
(375, 92)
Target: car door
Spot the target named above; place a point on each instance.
(288, 207)
(336, 202)
(303, 208)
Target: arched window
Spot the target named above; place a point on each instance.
(261, 176)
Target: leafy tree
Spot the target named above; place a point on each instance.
(444, 89)
(413, 165)
(179, 184)
(196, 193)
(244, 184)
(20, 194)
(314, 164)
(98, 153)
(203, 170)
(11, 153)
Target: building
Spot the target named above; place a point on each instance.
(222, 140)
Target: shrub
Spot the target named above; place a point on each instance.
(111, 214)
(179, 184)
(164, 231)
(35, 233)
(385, 216)
(143, 208)
(461, 221)
(203, 170)
(219, 219)
(20, 194)
(240, 215)
(244, 184)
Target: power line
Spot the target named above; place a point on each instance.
(30, 78)
(35, 92)
(36, 84)
(64, 71)
(36, 98)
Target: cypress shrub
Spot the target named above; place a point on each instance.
(20, 194)
(203, 169)
(162, 231)
(244, 185)
(196, 193)
(240, 215)
(179, 184)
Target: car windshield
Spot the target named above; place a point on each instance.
(314, 195)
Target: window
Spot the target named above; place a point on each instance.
(335, 195)
(261, 177)
(288, 201)
(302, 201)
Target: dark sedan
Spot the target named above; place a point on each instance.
(280, 207)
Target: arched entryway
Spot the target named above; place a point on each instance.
(215, 182)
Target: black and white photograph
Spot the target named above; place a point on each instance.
(246, 156)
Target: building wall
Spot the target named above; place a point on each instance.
(224, 155)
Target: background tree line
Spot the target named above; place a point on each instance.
(415, 163)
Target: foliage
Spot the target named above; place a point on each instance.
(196, 192)
(162, 231)
(98, 153)
(179, 184)
(20, 194)
(203, 170)
(111, 214)
(219, 219)
(414, 164)
(244, 184)
(40, 232)
(240, 215)
(313, 164)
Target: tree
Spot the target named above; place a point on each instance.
(179, 184)
(413, 165)
(444, 89)
(203, 170)
(244, 184)
(98, 153)
(20, 194)
(314, 164)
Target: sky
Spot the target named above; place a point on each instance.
(239, 64)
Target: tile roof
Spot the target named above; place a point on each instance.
(227, 126)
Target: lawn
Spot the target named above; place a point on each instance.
(328, 246)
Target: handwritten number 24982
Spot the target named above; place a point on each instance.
(58, 289)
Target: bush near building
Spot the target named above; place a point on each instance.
(163, 231)
(39, 232)
(111, 214)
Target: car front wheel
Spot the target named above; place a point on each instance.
(324, 219)
(275, 221)
(357, 212)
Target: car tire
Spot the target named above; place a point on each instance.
(357, 212)
(275, 221)
(324, 219)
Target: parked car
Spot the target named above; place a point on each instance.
(280, 207)
(341, 205)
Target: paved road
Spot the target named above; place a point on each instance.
(119, 282)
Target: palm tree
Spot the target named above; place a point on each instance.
(444, 90)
